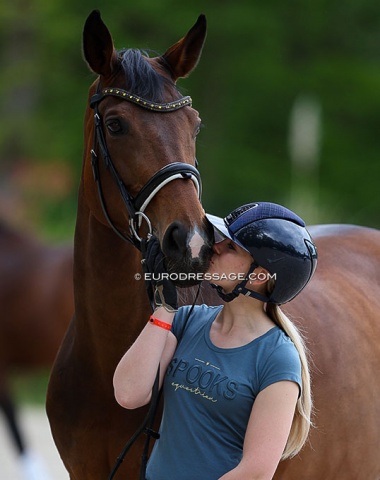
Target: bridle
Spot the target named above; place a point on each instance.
(137, 205)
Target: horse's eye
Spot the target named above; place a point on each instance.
(114, 126)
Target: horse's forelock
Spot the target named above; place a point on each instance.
(141, 78)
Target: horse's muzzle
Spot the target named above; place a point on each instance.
(187, 253)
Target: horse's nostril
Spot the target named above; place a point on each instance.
(175, 240)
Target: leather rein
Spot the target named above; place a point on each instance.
(136, 205)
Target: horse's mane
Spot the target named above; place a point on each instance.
(141, 78)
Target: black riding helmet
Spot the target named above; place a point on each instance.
(278, 241)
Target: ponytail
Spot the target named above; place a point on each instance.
(302, 417)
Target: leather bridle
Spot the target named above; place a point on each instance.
(137, 205)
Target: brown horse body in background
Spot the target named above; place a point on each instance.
(36, 306)
(338, 311)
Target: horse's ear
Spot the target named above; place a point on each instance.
(183, 56)
(98, 48)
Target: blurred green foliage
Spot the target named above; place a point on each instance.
(30, 387)
(258, 59)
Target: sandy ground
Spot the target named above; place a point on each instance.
(43, 463)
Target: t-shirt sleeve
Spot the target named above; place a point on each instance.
(179, 321)
(282, 364)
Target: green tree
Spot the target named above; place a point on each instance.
(259, 57)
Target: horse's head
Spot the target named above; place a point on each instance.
(140, 146)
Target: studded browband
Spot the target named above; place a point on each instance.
(142, 102)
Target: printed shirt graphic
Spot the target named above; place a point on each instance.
(209, 394)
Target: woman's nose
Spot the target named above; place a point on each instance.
(218, 247)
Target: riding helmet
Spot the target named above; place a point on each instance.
(278, 241)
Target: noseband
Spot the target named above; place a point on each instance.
(136, 205)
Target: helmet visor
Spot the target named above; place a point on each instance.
(221, 231)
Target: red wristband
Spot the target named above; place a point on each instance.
(159, 323)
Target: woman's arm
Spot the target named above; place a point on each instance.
(267, 433)
(135, 374)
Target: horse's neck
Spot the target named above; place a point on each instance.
(111, 306)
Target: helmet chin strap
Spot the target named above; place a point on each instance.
(241, 289)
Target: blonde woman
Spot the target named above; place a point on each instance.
(235, 377)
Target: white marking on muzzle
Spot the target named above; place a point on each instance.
(196, 242)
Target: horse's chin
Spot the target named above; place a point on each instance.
(187, 283)
(187, 271)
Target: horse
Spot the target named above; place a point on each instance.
(37, 303)
(338, 313)
(138, 178)
(138, 134)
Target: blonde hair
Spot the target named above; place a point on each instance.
(302, 417)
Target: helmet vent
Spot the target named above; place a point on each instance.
(236, 213)
(252, 212)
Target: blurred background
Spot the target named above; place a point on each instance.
(266, 68)
(288, 92)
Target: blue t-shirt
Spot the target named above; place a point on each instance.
(209, 394)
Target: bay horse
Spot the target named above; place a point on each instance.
(138, 177)
(36, 305)
(337, 312)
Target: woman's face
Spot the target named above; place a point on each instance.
(229, 264)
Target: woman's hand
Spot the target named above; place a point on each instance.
(164, 291)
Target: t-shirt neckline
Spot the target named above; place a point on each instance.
(214, 347)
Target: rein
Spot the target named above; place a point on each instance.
(136, 205)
